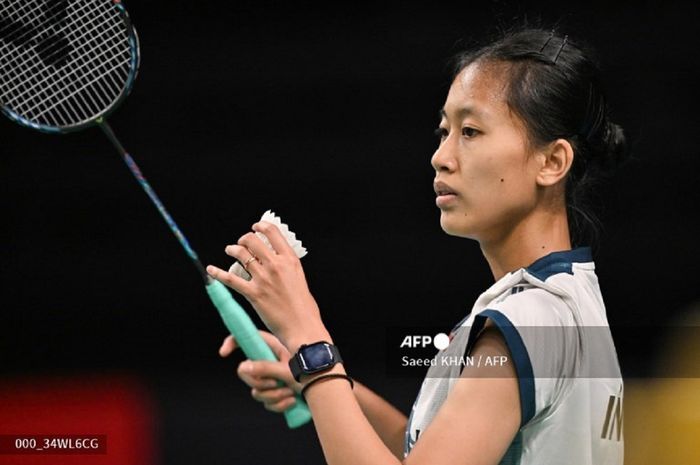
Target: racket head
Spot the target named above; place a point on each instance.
(65, 64)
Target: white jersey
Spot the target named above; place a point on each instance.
(552, 317)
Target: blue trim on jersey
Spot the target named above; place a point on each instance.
(514, 452)
(459, 325)
(559, 262)
(523, 366)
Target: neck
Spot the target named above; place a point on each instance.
(541, 233)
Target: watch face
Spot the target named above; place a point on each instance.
(316, 357)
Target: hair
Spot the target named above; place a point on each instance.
(553, 85)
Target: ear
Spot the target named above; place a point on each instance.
(556, 161)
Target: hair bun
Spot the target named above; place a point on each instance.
(616, 145)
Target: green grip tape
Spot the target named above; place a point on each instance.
(249, 340)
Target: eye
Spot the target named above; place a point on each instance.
(441, 133)
(469, 132)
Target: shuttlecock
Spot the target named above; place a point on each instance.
(291, 238)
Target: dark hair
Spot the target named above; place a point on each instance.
(553, 85)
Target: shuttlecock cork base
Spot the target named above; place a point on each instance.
(291, 238)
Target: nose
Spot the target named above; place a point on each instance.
(444, 157)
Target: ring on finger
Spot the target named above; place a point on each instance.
(249, 261)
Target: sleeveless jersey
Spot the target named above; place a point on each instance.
(552, 318)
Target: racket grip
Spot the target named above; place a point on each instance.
(249, 340)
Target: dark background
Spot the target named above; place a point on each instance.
(324, 114)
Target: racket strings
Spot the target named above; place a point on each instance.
(82, 64)
(37, 51)
(30, 58)
(94, 40)
(75, 39)
(67, 84)
(32, 81)
(56, 10)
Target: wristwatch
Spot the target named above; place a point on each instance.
(312, 358)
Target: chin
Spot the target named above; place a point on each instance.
(456, 223)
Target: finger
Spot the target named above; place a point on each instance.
(282, 405)
(262, 384)
(228, 346)
(252, 371)
(256, 246)
(242, 254)
(274, 235)
(255, 381)
(269, 383)
(266, 369)
(231, 280)
(271, 396)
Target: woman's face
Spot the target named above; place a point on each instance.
(484, 175)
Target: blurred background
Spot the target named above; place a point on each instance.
(324, 114)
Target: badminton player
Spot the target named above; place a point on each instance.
(524, 133)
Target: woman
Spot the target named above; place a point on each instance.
(524, 133)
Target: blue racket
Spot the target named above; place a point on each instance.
(65, 65)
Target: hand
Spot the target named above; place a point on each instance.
(264, 376)
(277, 290)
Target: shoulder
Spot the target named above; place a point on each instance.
(536, 326)
(532, 306)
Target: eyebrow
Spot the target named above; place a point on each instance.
(462, 112)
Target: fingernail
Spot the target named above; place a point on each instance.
(210, 269)
(247, 367)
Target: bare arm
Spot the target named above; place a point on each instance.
(480, 416)
(474, 426)
(387, 421)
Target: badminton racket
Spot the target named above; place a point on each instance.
(65, 65)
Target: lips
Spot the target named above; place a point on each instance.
(443, 189)
(445, 195)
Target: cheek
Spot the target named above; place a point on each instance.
(489, 178)
(499, 183)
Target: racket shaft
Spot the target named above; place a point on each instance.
(235, 318)
(146, 186)
(254, 347)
